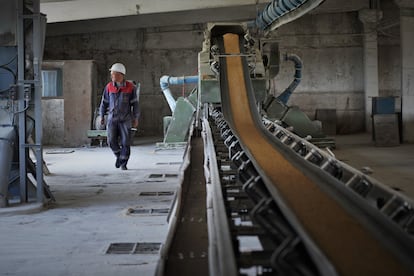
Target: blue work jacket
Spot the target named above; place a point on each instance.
(120, 101)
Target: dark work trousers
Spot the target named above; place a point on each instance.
(119, 131)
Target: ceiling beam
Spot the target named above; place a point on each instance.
(71, 10)
(228, 14)
(241, 13)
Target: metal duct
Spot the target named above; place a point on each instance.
(285, 95)
(279, 12)
(165, 81)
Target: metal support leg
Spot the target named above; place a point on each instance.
(21, 103)
(37, 58)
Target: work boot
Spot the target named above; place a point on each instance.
(117, 163)
(124, 167)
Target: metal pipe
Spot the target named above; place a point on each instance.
(271, 17)
(165, 81)
(285, 95)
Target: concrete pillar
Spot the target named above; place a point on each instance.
(407, 67)
(370, 18)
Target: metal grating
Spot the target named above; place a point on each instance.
(155, 175)
(162, 193)
(141, 211)
(147, 248)
(165, 193)
(134, 248)
(121, 248)
(161, 177)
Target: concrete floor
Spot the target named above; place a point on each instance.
(93, 199)
(392, 166)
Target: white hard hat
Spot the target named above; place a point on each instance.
(118, 67)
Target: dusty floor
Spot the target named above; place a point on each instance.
(392, 166)
(71, 236)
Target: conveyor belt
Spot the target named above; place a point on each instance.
(351, 246)
(187, 253)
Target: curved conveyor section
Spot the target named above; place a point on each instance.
(355, 239)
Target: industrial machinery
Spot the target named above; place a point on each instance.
(21, 50)
(257, 198)
(176, 126)
(262, 68)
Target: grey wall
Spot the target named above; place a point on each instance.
(147, 54)
(8, 23)
(67, 119)
(53, 121)
(330, 45)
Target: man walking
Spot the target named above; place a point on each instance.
(120, 99)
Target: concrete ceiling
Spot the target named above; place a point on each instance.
(75, 10)
(72, 10)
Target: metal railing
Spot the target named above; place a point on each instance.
(391, 203)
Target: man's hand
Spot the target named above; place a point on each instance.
(135, 123)
(102, 121)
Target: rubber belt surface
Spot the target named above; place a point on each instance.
(347, 244)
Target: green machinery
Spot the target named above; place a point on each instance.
(263, 60)
(186, 110)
